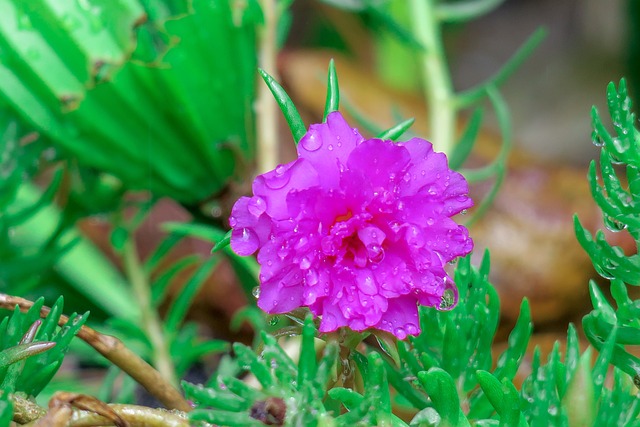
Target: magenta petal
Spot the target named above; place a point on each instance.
(380, 161)
(250, 227)
(283, 295)
(401, 318)
(274, 186)
(244, 241)
(328, 145)
(332, 318)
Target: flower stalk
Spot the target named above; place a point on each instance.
(267, 157)
(150, 319)
(438, 89)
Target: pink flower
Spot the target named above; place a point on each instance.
(357, 230)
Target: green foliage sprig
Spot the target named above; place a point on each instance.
(42, 346)
(443, 377)
(619, 200)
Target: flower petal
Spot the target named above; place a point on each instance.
(327, 146)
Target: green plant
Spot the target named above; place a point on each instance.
(33, 349)
(619, 200)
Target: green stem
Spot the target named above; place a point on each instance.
(438, 89)
(150, 319)
(267, 109)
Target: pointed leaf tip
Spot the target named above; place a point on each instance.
(291, 114)
(224, 242)
(396, 131)
(333, 91)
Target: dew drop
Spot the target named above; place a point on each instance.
(283, 251)
(329, 322)
(449, 299)
(310, 297)
(274, 320)
(412, 329)
(613, 224)
(431, 220)
(400, 333)
(256, 292)
(311, 142)
(330, 147)
(375, 253)
(248, 242)
(348, 312)
(305, 263)
(597, 139)
(278, 179)
(257, 206)
(311, 277)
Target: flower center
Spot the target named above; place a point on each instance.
(353, 239)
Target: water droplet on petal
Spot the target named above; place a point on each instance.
(257, 206)
(311, 278)
(329, 322)
(412, 329)
(375, 253)
(400, 333)
(248, 242)
(330, 147)
(348, 312)
(278, 179)
(367, 286)
(305, 263)
(311, 142)
(431, 221)
(283, 251)
(449, 297)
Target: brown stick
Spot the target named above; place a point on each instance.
(117, 353)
